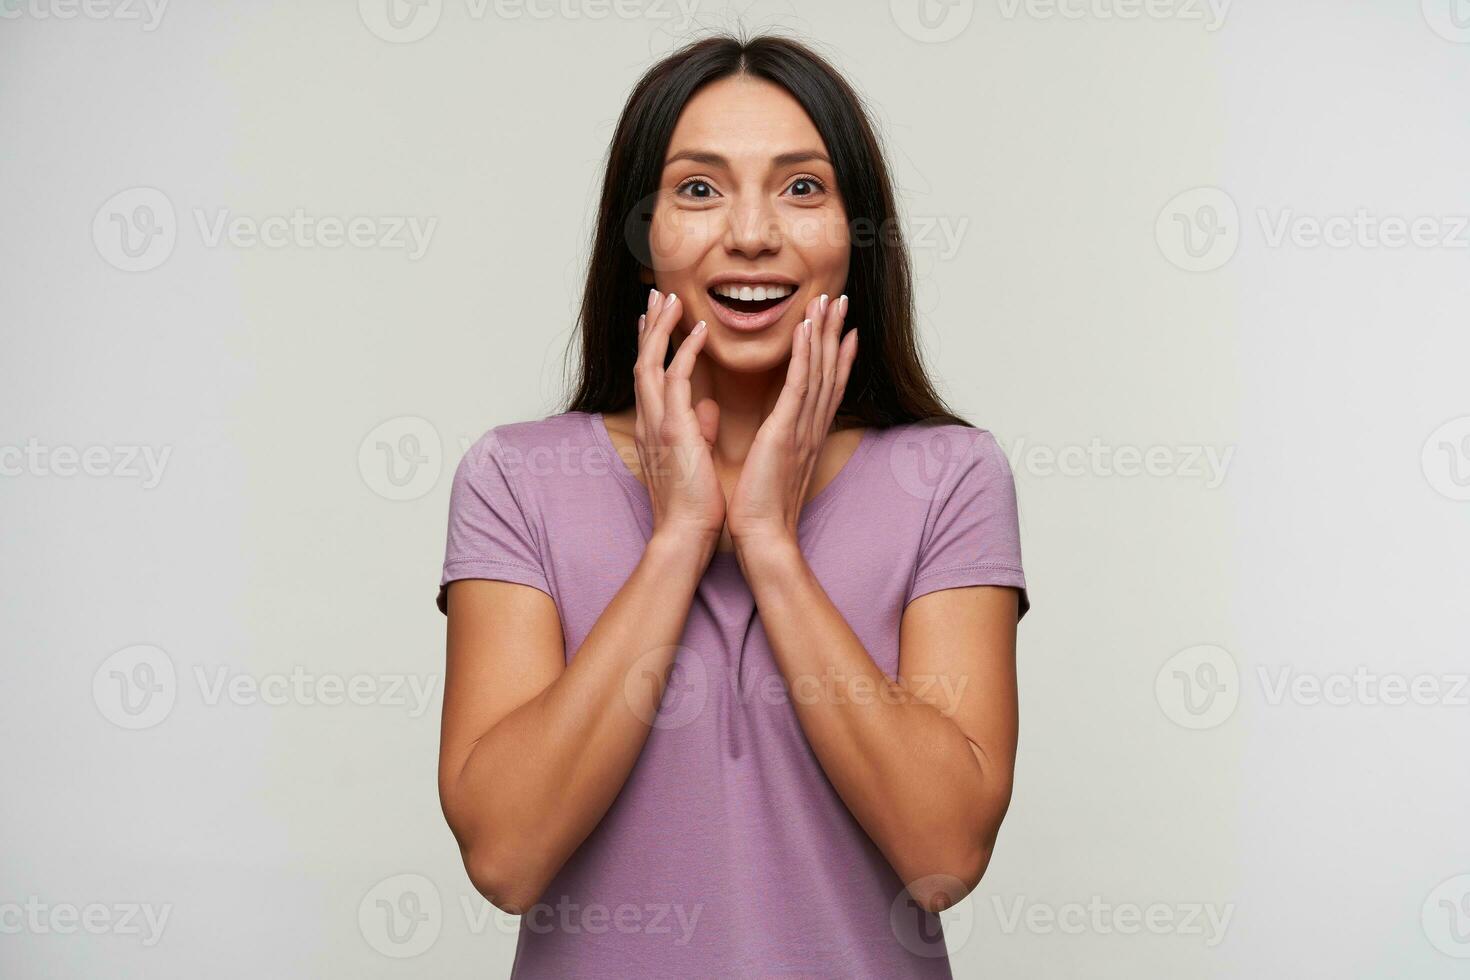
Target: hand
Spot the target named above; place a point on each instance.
(768, 497)
(672, 438)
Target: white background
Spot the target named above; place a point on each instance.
(1051, 142)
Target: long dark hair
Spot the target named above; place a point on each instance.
(888, 384)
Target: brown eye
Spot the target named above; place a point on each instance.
(815, 185)
(693, 182)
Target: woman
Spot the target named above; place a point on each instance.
(698, 721)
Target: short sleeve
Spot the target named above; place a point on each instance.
(489, 536)
(972, 534)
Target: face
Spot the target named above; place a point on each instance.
(748, 226)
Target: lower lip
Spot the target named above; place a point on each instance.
(751, 322)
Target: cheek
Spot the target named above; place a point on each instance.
(677, 239)
(822, 239)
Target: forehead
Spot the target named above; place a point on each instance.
(744, 119)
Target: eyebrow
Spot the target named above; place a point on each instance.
(716, 160)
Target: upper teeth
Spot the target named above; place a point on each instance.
(737, 291)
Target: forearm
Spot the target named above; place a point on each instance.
(905, 770)
(536, 784)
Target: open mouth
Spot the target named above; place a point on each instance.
(748, 306)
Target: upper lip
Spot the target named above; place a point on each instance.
(763, 279)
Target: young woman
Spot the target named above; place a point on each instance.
(698, 720)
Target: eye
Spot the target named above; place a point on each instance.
(693, 182)
(812, 182)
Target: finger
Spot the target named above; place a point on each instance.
(677, 390)
(653, 345)
(831, 333)
(847, 354)
(793, 392)
(804, 422)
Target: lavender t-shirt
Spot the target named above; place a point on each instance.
(728, 853)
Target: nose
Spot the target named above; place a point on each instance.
(753, 228)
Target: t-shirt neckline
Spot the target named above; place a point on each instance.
(812, 508)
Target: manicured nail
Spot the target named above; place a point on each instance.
(822, 305)
(652, 297)
(669, 300)
(806, 329)
(642, 319)
(698, 327)
(842, 305)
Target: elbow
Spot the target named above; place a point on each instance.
(962, 869)
(507, 884)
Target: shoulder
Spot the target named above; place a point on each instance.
(510, 443)
(932, 459)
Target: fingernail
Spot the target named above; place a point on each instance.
(842, 305)
(652, 295)
(642, 318)
(806, 329)
(823, 304)
(698, 327)
(669, 300)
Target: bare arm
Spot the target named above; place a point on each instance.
(533, 753)
(923, 762)
(533, 750)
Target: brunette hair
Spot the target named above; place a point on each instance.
(888, 384)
